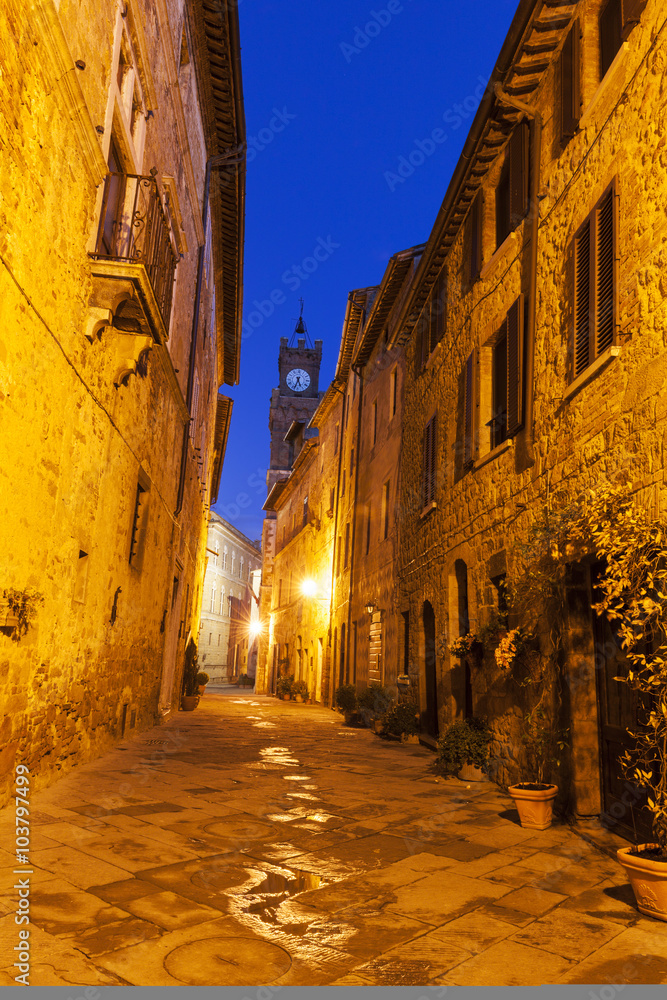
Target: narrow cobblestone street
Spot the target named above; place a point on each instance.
(255, 841)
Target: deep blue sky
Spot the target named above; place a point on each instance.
(322, 174)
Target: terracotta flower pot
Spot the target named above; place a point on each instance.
(202, 688)
(409, 738)
(471, 772)
(298, 698)
(189, 702)
(535, 805)
(286, 697)
(648, 879)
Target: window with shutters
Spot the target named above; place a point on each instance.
(502, 394)
(570, 83)
(512, 190)
(369, 523)
(393, 392)
(429, 463)
(374, 423)
(475, 221)
(385, 509)
(595, 283)
(469, 410)
(347, 545)
(431, 324)
(617, 19)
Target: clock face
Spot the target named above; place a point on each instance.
(298, 380)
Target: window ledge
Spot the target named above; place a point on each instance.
(507, 445)
(605, 83)
(589, 373)
(427, 509)
(507, 242)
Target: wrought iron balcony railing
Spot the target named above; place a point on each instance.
(134, 228)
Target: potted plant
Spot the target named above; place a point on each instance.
(300, 691)
(284, 687)
(374, 701)
(401, 722)
(202, 680)
(543, 742)
(463, 749)
(190, 698)
(346, 700)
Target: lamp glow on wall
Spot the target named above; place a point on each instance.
(310, 588)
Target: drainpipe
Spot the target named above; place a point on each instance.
(529, 430)
(234, 156)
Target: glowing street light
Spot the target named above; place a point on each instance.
(254, 629)
(309, 588)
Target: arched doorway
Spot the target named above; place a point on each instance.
(430, 717)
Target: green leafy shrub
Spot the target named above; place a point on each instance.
(300, 687)
(462, 743)
(400, 718)
(285, 685)
(190, 686)
(375, 701)
(346, 698)
(202, 678)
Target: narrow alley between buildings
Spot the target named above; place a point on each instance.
(256, 841)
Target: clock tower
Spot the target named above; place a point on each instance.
(296, 397)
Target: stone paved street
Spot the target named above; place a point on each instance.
(255, 841)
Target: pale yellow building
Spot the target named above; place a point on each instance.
(233, 579)
(121, 235)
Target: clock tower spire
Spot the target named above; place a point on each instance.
(296, 398)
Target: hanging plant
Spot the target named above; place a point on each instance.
(22, 605)
(464, 645)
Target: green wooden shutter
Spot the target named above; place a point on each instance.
(570, 62)
(515, 329)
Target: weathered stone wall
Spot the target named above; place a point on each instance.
(73, 445)
(615, 422)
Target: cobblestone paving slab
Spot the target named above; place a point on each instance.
(256, 842)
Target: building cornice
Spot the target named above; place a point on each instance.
(537, 30)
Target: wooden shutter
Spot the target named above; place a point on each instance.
(604, 278)
(519, 151)
(582, 297)
(632, 12)
(433, 320)
(469, 411)
(428, 477)
(476, 217)
(515, 329)
(570, 82)
(611, 33)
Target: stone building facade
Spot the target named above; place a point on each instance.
(231, 597)
(547, 375)
(120, 279)
(334, 513)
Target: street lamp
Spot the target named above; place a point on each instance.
(370, 607)
(309, 588)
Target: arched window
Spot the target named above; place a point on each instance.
(224, 558)
(212, 598)
(222, 601)
(241, 568)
